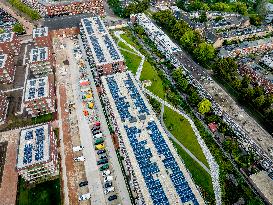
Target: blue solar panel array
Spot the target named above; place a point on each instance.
(97, 49)
(88, 26)
(31, 93)
(138, 101)
(40, 136)
(148, 168)
(121, 105)
(113, 52)
(99, 24)
(27, 154)
(41, 91)
(181, 185)
(29, 135)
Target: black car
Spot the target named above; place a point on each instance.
(102, 161)
(95, 132)
(107, 184)
(101, 151)
(95, 127)
(113, 197)
(103, 157)
(83, 183)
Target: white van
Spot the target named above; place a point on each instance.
(108, 179)
(97, 136)
(108, 190)
(77, 148)
(84, 197)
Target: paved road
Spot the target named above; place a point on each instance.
(91, 168)
(120, 181)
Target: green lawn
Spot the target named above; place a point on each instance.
(128, 40)
(132, 60)
(124, 46)
(42, 118)
(199, 175)
(181, 129)
(149, 73)
(47, 193)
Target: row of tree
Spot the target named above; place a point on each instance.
(34, 15)
(188, 38)
(132, 8)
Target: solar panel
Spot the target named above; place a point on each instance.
(113, 52)
(177, 177)
(29, 135)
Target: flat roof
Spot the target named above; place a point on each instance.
(3, 58)
(103, 47)
(36, 88)
(34, 146)
(39, 54)
(150, 27)
(40, 32)
(6, 37)
(159, 171)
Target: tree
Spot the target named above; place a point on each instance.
(261, 8)
(240, 7)
(179, 29)
(180, 80)
(255, 19)
(165, 18)
(204, 106)
(194, 98)
(204, 53)
(245, 82)
(190, 39)
(203, 17)
(259, 101)
(220, 6)
(18, 28)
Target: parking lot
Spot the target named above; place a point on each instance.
(73, 172)
(86, 114)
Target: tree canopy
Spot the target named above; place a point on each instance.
(204, 53)
(204, 106)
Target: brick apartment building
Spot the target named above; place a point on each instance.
(39, 96)
(41, 37)
(37, 153)
(59, 8)
(7, 68)
(9, 43)
(3, 108)
(101, 47)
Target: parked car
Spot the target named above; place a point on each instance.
(83, 183)
(84, 197)
(107, 184)
(97, 123)
(113, 197)
(95, 128)
(99, 141)
(104, 167)
(102, 151)
(100, 146)
(77, 148)
(102, 161)
(108, 190)
(97, 136)
(79, 159)
(108, 179)
(95, 132)
(106, 173)
(103, 157)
